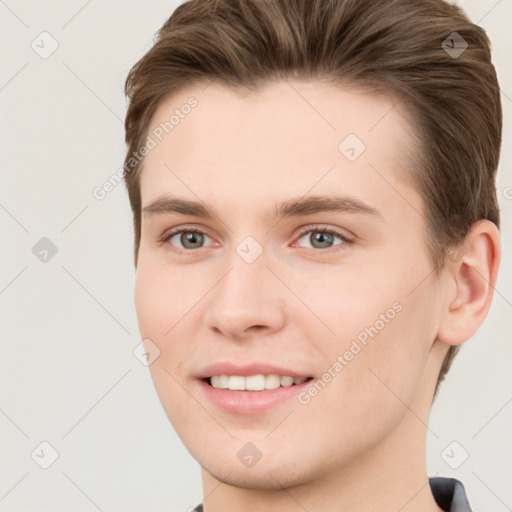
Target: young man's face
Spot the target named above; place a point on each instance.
(357, 310)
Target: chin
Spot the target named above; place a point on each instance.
(273, 471)
(264, 477)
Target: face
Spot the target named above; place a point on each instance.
(305, 257)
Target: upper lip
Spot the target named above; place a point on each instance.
(246, 370)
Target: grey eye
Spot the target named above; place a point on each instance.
(189, 239)
(320, 239)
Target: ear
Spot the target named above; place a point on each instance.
(471, 279)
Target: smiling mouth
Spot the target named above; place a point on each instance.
(258, 382)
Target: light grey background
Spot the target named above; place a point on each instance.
(68, 375)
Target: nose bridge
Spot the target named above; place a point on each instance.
(246, 296)
(246, 279)
(247, 263)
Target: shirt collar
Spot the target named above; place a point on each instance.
(449, 494)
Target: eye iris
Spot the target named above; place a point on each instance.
(322, 238)
(192, 238)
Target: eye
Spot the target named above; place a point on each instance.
(322, 238)
(188, 238)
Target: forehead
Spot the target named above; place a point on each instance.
(288, 138)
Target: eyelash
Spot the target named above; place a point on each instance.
(307, 229)
(330, 231)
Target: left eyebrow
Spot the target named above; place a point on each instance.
(316, 204)
(295, 207)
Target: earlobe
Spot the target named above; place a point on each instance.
(472, 277)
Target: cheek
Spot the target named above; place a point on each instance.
(159, 307)
(161, 299)
(148, 303)
(384, 332)
(164, 303)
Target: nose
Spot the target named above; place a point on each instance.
(247, 301)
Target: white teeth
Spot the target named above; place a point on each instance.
(254, 382)
(236, 383)
(286, 381)
(223, 381)
(272, 381)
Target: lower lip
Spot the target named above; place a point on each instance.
(250, 402)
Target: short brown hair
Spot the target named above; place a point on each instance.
(400, 46)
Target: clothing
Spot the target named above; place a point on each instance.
(449, 494)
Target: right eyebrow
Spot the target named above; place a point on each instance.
(167, 204)
(295, 207)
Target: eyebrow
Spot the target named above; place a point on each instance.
(295, 207)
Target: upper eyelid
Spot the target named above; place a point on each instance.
(182, 229)
(318, 227)
(302, 230)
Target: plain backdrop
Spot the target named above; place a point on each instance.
(74, 397)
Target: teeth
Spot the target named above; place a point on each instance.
(272, 381)
(286, 381)
(254, 382)
(236, 383)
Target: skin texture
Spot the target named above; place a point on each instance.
(359, 443)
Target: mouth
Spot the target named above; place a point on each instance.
(252, 394)
(251, 388)
(259, 382)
